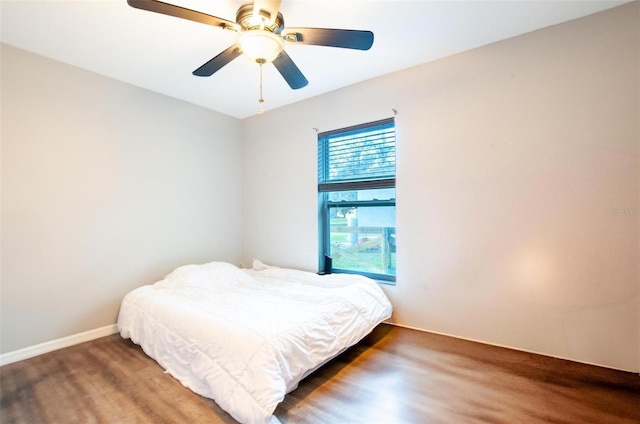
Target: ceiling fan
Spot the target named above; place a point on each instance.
(261, 36)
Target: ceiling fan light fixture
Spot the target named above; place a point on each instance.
(261, 36)
(260, 46)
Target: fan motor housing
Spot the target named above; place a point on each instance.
(248, 21)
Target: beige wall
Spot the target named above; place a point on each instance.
(105, 187)
(515, 161)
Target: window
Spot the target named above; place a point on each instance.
(357, 200)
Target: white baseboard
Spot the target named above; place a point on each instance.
(514, 348)
(39, 349)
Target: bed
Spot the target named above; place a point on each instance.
(246, 337)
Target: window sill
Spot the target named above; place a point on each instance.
(377, 280)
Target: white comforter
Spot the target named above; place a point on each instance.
(245, 338)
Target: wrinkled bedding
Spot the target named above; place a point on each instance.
(246, 337)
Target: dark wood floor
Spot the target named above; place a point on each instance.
(395, 375)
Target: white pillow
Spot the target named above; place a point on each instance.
(260, 266)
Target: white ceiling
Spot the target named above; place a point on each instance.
(159, 52)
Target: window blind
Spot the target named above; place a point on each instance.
(354, 157)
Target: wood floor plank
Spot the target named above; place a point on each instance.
(395, 375)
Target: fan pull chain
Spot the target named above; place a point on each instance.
(261, 100)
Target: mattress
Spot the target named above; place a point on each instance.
(246, 337)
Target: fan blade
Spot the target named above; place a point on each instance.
(345, 38)
(217, 62)
(181, 12)
(289, 71)
(271, 8)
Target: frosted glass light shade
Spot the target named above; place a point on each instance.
(260, 45)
